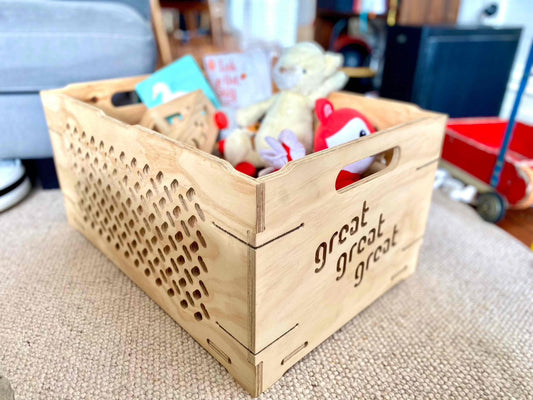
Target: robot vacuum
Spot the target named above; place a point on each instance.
(14, 183)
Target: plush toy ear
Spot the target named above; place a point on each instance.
(333, 62)
(323, 109)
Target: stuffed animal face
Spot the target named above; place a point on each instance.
(304, 67)
(341, 126)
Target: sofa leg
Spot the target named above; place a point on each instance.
(42, 172)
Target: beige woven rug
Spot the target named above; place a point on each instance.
(72, 326)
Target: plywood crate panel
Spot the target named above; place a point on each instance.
(258, 271)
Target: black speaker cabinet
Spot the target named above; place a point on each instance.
(461, 71)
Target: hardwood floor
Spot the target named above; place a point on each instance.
(519, 223)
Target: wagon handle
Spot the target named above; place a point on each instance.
(509, 130)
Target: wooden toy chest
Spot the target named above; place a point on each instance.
(258, 271)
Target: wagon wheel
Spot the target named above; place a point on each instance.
(491, 207)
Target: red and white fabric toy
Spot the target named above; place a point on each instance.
(338, 127)
(284, 149)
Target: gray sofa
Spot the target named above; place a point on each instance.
(47, 44)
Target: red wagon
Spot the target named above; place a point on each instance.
(471, 149)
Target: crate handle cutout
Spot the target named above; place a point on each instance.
(125, 98)
(111, 92)
(294, 352)
(380, 164)
(100, 94)
(320, 169)
(217, 349)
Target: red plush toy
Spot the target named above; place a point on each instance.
(339, 127)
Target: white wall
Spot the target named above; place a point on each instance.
(270, 23)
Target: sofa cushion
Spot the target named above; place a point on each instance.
(23, 131)
(47, 44)
(141, 6)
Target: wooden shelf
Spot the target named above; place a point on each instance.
(359, 72)
(330, 14)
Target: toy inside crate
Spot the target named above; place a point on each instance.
(189, 119)
(258, 271)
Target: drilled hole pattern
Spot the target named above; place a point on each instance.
(148, 220)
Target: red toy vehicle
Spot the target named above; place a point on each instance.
(471, 149)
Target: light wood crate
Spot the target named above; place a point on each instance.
(258, 271)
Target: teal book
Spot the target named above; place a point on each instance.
(181, 77)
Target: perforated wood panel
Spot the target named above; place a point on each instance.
(150, 221)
